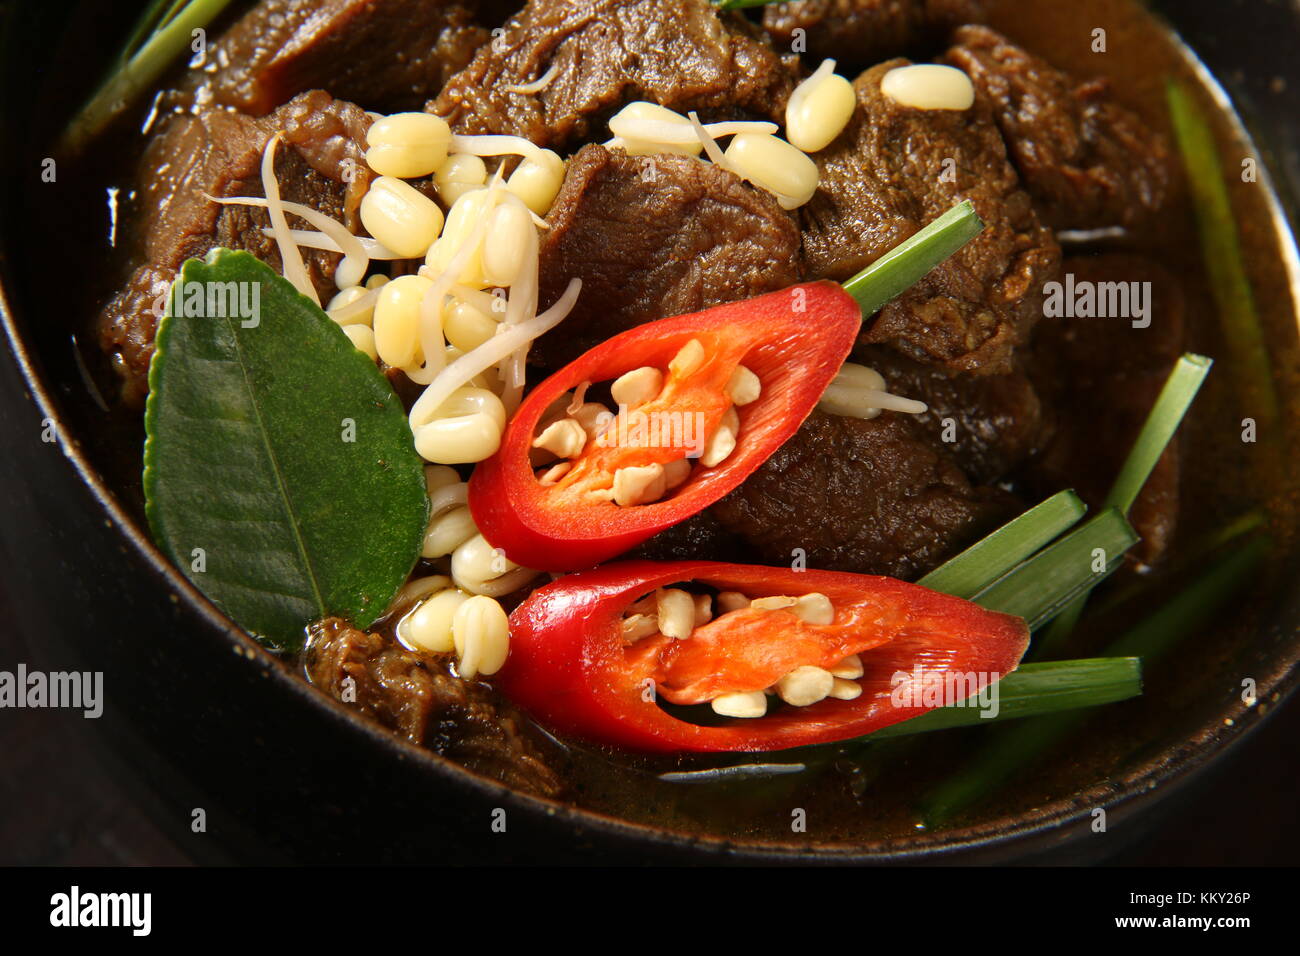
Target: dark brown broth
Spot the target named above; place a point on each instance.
(1222, 478)
(1142, 55)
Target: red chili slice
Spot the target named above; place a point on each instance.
(570, 667)
(795, 341)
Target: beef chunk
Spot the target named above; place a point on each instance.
(654, 236)
(388, 55)
(1088, 161)
(699, 537)
(876, 497)
(895, 169)
(997, 421)
(678, 53)
(1102, 376)
(857, 33)
(417, 696)
(220, 152)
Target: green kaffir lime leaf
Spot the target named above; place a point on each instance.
(279, 470)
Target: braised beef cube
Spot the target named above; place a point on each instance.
(654, 236)
(990, 424)
(602, 54)
(1102, 375)
(894, 170)
(418, 696)
(699, 537)
(219, 152)
(387, 55)
(857, 33)
(1087, 161)
(873, 496)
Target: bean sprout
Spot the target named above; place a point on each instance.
(537, 85)
(492, 145)
(290, 256)
(477, 361)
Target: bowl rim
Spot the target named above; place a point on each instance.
(1044, 827)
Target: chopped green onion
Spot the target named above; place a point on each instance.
(903, 266)
(139, 68)
(1030, 691)
(1014, 747)
(993, 556)
(1158, 430)
(741, 4)
(155, 16)
(1222, 255)
(1036, 689)
(1038, 588)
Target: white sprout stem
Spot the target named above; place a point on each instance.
(311, 239)
(850, 402)
(492, 145)
(479, 360)
(710, 147)
(579, 398)
(359, 306)
(290, 256)
(485, 302)
(803, 89)
(432, 306)
(537, 85)
(677, 133)
(433, 341)
(521, 302)
(333, 235)
(356, 256)
(892, 403)
(717, 130)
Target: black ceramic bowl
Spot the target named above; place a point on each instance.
(209, 720)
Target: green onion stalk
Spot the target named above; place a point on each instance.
(1157, 432)
(1221, 252)
(903, 266)
(1012, 749)
(164, 32)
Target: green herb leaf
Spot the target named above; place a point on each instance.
(1034, 689)
(907, 263)
(1040, 587)
(1158, 430)
(993, 556)
(741, 4)
(1171, 406)
(160, 36)
(1221, 251)
(1012, 748)
(279, 471)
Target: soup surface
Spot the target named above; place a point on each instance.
(851, 793)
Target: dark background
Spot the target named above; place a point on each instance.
(66, 799)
